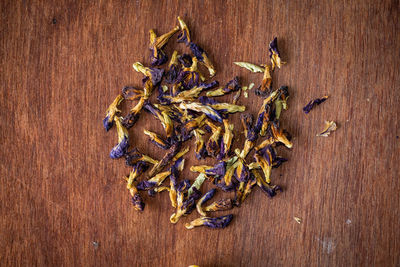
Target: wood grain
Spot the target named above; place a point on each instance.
(63, 62)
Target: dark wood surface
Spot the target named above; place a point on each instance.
(63, 62)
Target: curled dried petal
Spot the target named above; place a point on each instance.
(158, 56)
(202, 56)
(275, 55)
(330, 126)
(208, 111)
(217, 222)
(249, 66)
(222, 204)
(184, 35)
(123, 140)
(231, 86)
(132, 93)
(111, 112)
(207, 196)
(314, 103)
(266, 84)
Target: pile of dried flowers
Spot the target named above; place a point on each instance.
(185, 114)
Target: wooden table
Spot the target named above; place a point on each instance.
(63, 201)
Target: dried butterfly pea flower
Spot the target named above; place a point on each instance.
(123, 140)
(266, 83)
(111, 112)
(137, 201)
(165, 120)
(218, 169)
(185, 81)
(202, 56)
(176, 167)
(231, 86)
(190, 125)
(227, 179)
(200, 168)
(184, 35)
(159, 178)
(153, 181)
(249, 132)
(184, 205)
(197, 183)
(226, 140)
(268, 141)
(207, 196)
(214, 142)
(222, 204)
(228, 108)
(314, 103)
(210, 112)
(132, 93)
(185, 60)
(266, 127)
(217, 222)
(270, 190)
(131, 118)
(154, 74)
(173, 69)
(134, 157)
(242, 172)
(266, 109)
(200, 148)
(243, 191)
(249, 66)
(136, 172)
(188, 95)
(237, 96)
(330, 126)
(158, 56)
(280, 136)
(280, 103)
(264, 159)
(275, 55)
(166, 159)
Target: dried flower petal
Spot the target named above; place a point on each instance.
(154, 74)
(270, 190)
(197, 183)
(184, 35)
(249, 66)
(132, 93)
(329, 127)
(131, 118)
(243, 191)
(200, 148)
(266, 84)
(314, 103)
(210, 112)
(297, 219)
(184, 206)
(226, 140)
(201, 55)
(231, 86)
(137, 201)
(275, 55)
(111, 112)
(123, 140)
(280, 136)
(166, 159)
(158, 56)
(217, 222)
(207, 196)
(222, 204)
